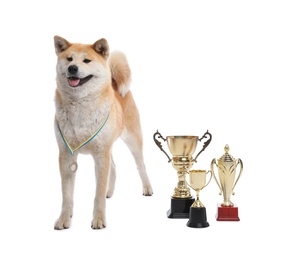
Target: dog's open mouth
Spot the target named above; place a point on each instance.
(76, 82)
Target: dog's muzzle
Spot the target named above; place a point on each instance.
(73, 80)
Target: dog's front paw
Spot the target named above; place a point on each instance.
(147, 190)
(63, 222)
(98, 223)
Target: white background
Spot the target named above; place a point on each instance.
(197, 65)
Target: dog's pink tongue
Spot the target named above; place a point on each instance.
(73, 82)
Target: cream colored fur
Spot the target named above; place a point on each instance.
(81, 109)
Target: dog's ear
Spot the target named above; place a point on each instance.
(60, 44)
(102, 48)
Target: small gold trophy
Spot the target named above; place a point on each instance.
(197, 214)
(227, 165)
(182, 148)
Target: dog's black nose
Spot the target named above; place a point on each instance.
(73, 69)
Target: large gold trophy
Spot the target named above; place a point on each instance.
(227, 211)
(182, 148)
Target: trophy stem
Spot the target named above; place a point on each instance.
(197, 194)
(182, 191)
(197, 203)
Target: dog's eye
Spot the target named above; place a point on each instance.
(86, 60)
(69, 59)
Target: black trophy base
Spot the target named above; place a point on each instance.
(197, 218)
(180, 208)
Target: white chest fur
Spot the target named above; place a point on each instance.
(78, 123)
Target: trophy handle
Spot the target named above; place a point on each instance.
(209, 179)
(213, 173)
(205, 144)
(158, 143)
(239, 161)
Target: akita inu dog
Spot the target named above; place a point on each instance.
(94, 107)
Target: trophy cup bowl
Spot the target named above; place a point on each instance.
(197, 213)
(182, 145)
(227, 166)
(182, 149)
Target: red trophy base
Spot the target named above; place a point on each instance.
(227, 213)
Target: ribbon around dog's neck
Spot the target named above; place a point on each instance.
(71, 150)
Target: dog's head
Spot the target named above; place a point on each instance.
(81, 68)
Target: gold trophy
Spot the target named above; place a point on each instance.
(227, 165)
(197, 214)
(182, 148)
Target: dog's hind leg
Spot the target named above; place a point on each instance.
(112, 179)
(133, 139)
(68, 168)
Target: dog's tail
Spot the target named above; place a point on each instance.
(120, 72)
